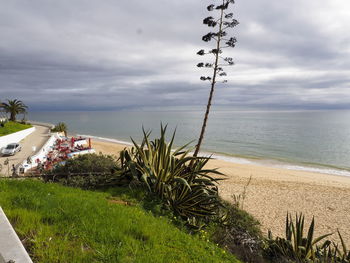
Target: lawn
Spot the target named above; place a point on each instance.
(11, 127)
(62, 224)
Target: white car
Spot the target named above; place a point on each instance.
(11, 149)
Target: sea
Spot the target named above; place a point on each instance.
(317, 141)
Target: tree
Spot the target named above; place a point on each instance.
(14, 107)
(219, 36)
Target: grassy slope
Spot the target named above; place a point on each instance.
(11, 127)
(61, 224)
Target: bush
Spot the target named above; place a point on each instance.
(3, 122)
(86, 171)
(296, 247)
(60, 127)
(178, 179)
(239, 233)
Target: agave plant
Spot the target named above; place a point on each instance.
(295, 245)
(180, 180)
(330, 252)
(344, 253)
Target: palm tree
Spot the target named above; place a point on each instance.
(60, 127)
(14, 107)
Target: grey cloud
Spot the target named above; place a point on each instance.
(120, 54)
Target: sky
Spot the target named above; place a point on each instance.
(110, 55)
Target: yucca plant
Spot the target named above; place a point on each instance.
(180, 180)
(295, 245)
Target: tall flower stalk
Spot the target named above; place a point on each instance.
(224, 21)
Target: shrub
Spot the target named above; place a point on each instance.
(331, 252)
(239, 233)
(86, 171)
(179, 180)
(60, 127)
(3, 122)
(295, 246)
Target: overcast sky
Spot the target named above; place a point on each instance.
(108, 54)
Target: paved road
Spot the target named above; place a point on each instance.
(36, 139)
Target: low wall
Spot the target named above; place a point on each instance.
(70, 155)
(11, 247)
(45, 124)
(15, 137)
(41, 154)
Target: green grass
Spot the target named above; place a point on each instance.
(11, 127)
(61, 224)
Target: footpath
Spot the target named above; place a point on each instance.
(11, 248)
(32, 142)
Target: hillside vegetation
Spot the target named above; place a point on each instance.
(62, 224)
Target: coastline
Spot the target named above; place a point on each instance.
(240, 159)
(274, 191)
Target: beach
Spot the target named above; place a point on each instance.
(273, 192)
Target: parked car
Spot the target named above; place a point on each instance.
(11, 149)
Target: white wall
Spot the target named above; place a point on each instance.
(15, 137)
(41, 154)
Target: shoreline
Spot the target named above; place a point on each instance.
(238, 159)
(275, 191)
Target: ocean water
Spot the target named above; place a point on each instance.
(301, 140)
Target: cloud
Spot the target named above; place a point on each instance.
(109, 55)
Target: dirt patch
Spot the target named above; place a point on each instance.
(119, 202)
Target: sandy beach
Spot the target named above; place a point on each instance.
(273, 192)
